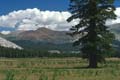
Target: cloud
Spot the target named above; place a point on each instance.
(117, 20)
(5, 32)
(117, 12)
(32, 19)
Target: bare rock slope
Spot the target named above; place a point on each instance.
(8, 44)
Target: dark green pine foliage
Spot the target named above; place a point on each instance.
(95, 38)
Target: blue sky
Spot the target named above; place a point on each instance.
(7, 6)
(56, 14)
(10, 5)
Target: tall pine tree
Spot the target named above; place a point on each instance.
(95, 39)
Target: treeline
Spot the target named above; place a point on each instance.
(15, 53)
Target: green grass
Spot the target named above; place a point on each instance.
(57, 69)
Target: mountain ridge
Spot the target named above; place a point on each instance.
(49, 38)
(41, 34)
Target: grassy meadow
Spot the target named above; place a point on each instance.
(57, 69)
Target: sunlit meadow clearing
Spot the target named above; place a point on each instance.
(57, 69)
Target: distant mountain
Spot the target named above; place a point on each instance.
(31, 45)
(115, 28)
(13, 35)
(41, 35)
(8, 44)
(47, 35)
(44, 38)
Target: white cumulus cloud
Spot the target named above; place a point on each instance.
(32, 19)
(117, 20)
(117, 12)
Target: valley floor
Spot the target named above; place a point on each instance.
(57, 69)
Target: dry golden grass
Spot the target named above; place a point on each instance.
(57, 69)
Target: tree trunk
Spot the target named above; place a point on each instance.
(92, 61)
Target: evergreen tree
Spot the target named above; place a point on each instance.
(95, 39)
